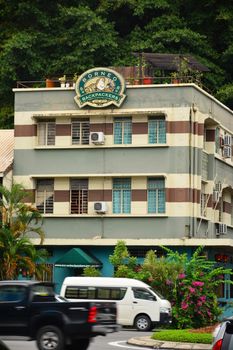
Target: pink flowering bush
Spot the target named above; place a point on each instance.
(190, 284)
(191, 288)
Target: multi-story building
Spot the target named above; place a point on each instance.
(153, 168)
(6, 157)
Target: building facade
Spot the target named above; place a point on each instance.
(155, 169)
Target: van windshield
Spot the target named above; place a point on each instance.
(157, 293)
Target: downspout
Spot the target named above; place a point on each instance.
(190, 174)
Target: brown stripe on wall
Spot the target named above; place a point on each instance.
(61, 196)
(63, 129)
(182, 195)
(227, 207)
(139, 195)
(210, 135)
(178, 127)
(107, 128)
(25, 130)
(200, 129)
(100, 195)
(30, 196)
(140, 128)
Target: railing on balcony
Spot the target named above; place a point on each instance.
(130, 80)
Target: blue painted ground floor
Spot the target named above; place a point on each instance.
(67, 261)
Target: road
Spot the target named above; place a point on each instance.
(114, 341)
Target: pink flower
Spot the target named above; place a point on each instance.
(192, 290)
(168, 282)
(202, 298)
(181, 275)
(184, 305)
(197, 283)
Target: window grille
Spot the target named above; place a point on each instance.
(79, 196)
(121, 195)
(157, 130)
(122, 131)
(80, 131)
(46, 133)
(45, 196)
(156, 195)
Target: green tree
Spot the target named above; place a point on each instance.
(19, 222)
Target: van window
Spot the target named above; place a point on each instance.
(141, 293)
(104, 293)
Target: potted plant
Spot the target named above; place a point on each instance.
(63, 81)
(175, 77)
(75, 78)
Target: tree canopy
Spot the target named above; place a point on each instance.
(44, 38)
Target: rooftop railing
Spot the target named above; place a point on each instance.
(50, 83)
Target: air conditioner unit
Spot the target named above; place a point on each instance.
(216, 195)
(227, 140)
(100, 207)
(222, 229)
(227, 152)
(97, 138)
(218, 186)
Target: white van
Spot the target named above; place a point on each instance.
(138, 304)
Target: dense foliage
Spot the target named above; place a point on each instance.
(19, 222)
(46, 38)
(189, 283)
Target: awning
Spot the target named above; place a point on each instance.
(77, 257)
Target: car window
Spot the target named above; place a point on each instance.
(12, 293)
(141, 293)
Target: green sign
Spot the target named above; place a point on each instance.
(100, 87)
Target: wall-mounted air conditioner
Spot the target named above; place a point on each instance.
(97, 138)
(227, 140)
(100, 207)
(218, 186)
(222, 229)
(227, 152)
(216, 195)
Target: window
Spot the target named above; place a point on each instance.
(204, 199)
(46, 132)
(122, 131)
(141, 293)
(156, 195)
(104, 293)
(45, 196)
(157, 130)
(121, 196)
(12, 293)
(80, 131)
(79, 196)
(218, 138)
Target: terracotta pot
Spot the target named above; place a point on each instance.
(50, 83)
(147, 80)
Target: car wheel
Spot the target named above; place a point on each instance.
(143, 323)
(50, 338)
(78, 344)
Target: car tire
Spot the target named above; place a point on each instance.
(50, 338)
(143, 323)
(78, 344)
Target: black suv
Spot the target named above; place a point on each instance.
(223, 339)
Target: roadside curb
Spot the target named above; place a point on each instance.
(157, 344)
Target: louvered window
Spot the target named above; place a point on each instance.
(157, 130)
(156, 195)
(121, 195)
(204, 198)
(122, 131)
(46, 132)
(204, 166)
(80, 131)
(79, 196)
(45, 196)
